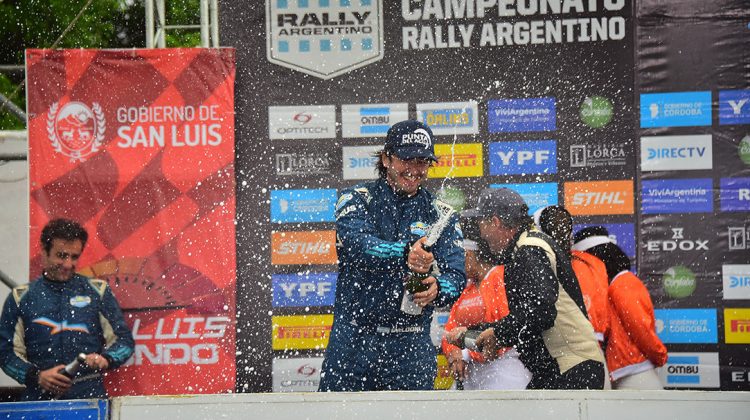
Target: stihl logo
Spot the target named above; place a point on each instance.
(597, 198)
(312, 247)
(319, 248)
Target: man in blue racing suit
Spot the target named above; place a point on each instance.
(380, 228)
(47, 323)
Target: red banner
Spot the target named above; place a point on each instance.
(138, 145)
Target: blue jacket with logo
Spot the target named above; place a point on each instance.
(47, 323)
(374, 227)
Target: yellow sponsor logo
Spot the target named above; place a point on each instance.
(458, 161)
(737, 326)
(301, 332)
(443, 380)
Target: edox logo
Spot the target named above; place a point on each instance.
(324, 38)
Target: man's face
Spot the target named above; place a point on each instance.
(60, 262)
(405, 176)
(498, 236)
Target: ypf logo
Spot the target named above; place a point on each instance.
(324, 41)
(75, 130)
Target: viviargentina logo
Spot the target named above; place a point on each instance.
(324, 40)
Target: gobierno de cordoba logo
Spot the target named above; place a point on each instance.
(75, 130)
(326, 40)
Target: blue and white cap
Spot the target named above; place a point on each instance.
(411, 139)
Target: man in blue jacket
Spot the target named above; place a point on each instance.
(47, 323)
(380, 229)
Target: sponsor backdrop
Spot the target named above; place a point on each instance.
(138, 145)
(693, 180)
(535, 96)
(625, 112)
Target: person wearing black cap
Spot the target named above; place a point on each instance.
(547, 322)
(380, 230)
(634, 350)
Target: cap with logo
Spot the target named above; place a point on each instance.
(411, 139)
(504, 203)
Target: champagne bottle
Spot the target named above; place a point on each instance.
(413, 281)
(468, 340)
(73, 367)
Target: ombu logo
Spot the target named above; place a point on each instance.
(313, 247)
(737, 326)
(75, 130)
(301, 331)
(457, 161)
(599, 197)
(331, 39)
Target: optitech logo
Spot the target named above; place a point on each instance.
(312, 247)
(326, 41)
(686, 325)
(296, 374)
(360, 162)
(676, 109)
(371, 120)
(75, 130)
(734, 107)
(449, 118)
(623, 234)
(691, 370)
(293, 206)
(303, 289)
(514, 115)
(303, 163)
(599, 197)
(302, 122)
(744, 150)
(454, 197)
(523, 157)
(457, 161)
(735, 194)
(736, 325)
(596, 111)
(596, 155)
(536, 196)
(679, 282)
(664, 196)
(301, 332)
(736, 279)
(673, 153)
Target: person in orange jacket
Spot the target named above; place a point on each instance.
(591, 272)
(483, 300)
(634, 351)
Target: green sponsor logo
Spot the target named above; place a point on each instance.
(453, 197)
(596, 111)
(744, 149)
(679, 282)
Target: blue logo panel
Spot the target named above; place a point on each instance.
(677, 109)
(295, 206)
(677, 196)
(514, 115)
(536, 196)
(686, 325)
(622, 233)
(692, 361)
(734, 107)
(311, 289)
(735, 194)
(523, 157)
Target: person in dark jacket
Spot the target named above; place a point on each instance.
(47, 323)
(547, 323)
(376, 343)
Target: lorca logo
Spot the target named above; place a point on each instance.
(326, 40)
(75, 130)
(58, 327)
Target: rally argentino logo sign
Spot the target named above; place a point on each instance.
(325, 41)
(75, 130)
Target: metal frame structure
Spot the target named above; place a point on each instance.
(156, 25)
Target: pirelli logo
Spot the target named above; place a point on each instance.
(458, 161)
(301, 332)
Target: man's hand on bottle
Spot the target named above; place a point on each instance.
(419, 260)
(54, 382)
(454, 336)
(96, 361)
(457, 364)
(424, 298)
(488, 343)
